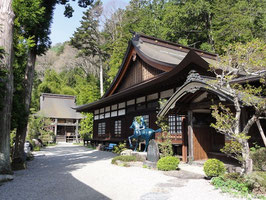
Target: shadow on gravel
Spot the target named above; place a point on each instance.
(49, 176)
(181, 174)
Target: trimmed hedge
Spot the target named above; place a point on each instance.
(168, 163)
(214, 167)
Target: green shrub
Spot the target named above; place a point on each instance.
(257, 182)
(259, 159)
(36, 148)
(251, 185)
(213, 168)
(119, 148)
(235, 176)
(168, 163)
(124, 159)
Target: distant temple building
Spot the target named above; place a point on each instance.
(65, 120)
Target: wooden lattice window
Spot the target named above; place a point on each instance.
(118, 127)
(175, 124)
(101, 128)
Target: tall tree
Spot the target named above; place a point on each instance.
(6, 79)
(87, 38)
(36, 29)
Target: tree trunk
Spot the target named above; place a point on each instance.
(19, 155)
(6, 41)
(247, 164)
(101, 77)
(261, 132)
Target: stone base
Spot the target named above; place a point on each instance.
(150, 164)
(7, 177)
(142, 156)
(127, 152)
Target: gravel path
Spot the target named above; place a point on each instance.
(68, 172)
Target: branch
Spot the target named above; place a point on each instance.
(251, 121)
(261, 132)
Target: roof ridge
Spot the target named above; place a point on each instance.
(137, 35)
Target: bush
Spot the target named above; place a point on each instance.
(257, 182)
(251, 185)
(259, 159)
(213, 168)
(119, 148)
(168, 163)
(124, 159)
(36, 148)
(235, 176)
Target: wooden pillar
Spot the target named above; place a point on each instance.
(184, 140)
(55, 127)
(77, 131)
(190, 137)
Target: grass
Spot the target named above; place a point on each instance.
(124, 159)
(51, 144)
(79, 144)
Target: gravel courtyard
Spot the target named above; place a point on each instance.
(69, 172)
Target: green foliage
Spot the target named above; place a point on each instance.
(58, 48)
(225, 119)
(238, 59)
(38, 128)
(168, 163)
(259, 159)
(208, 25)
(228, 185)
(234, 150)
(124, 159)
(86, 126)
(257, 182)
(249, 186)
(12, 137)
(162, 121)
(165, 145)
(36, 148)
(120, 147)
(213, 168)
(234, 176)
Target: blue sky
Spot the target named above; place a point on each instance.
(63, 28)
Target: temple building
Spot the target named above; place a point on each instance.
(153, 70)
(65, 120)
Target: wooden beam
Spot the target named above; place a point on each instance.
(190, 137)
(184, 140)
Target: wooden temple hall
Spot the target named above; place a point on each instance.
(153, 69)
(65, 120)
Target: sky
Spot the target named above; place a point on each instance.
(63, 28)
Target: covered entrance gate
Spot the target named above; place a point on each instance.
(193, 99)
